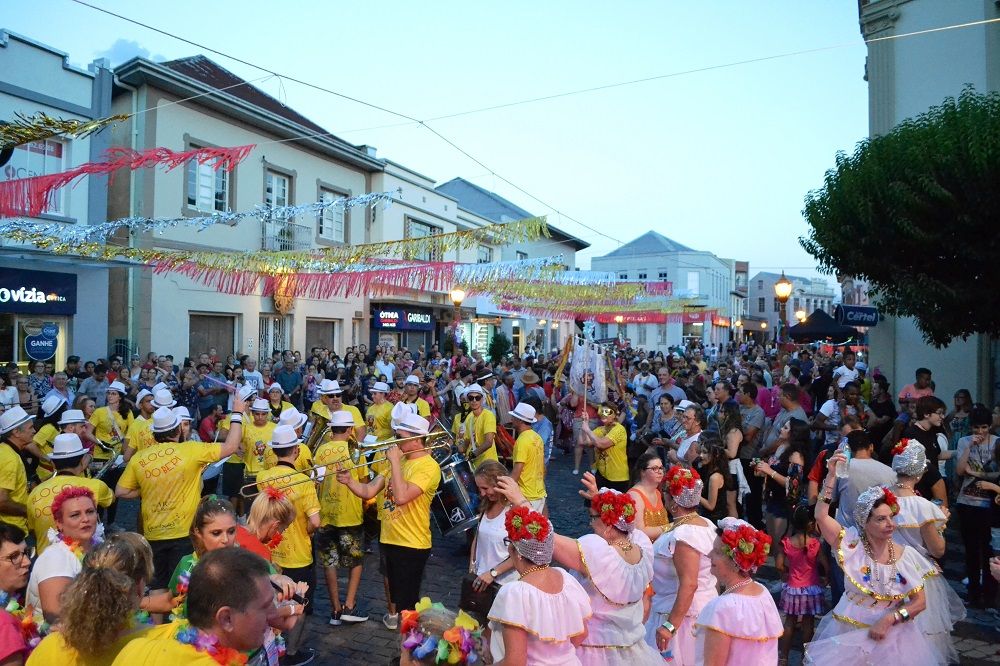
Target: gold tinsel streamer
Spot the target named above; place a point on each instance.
(568, 292)
(25, 129)
(584, 307)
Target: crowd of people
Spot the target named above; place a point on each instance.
(698, 467)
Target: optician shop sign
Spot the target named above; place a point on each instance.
(37, 292)
(403, 320)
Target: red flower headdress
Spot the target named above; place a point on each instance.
(684, 485)
(523, 523)
(748, 547)
(900, 448)
(616, 509)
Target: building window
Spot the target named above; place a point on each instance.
(602, 331)
(521, 256)
(640, 334)
(281, 233)
(663, 275)
(661, 334)
(207, 188)
(277, 189)
(642, 275)
(777, 305)
(760, 304)
(760, 284)
(415, 229)
(484, 255)
(331, 222)
(40, 158)
(693, 282)
(623, 276)
(795, 304)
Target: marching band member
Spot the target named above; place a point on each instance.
(16, 431)
(232, 470)
(340, 539)
(296, 420)
(410, 390)
(480, 427)
(294, 554)
(489, 382)
(275, 401)
(138, 435)
(256, 435)
(47, 426)
(414, 477)
(379, 414)
(529, 457)
(331, 400)
(167, 478)
(111, 422)
(70, 460)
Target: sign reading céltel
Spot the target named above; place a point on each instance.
(404, 320)
(856, 315)
(37, 292)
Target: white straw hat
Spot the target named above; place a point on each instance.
(164, 420)
(67, 445)
(72, 416)
(524, 412)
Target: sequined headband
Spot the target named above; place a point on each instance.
(866, 502)
(909, 458)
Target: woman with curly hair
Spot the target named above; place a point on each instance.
(741, 626)
(99, 608)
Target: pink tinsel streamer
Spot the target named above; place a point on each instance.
(31, 196)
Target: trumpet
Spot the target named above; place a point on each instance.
(318, 472)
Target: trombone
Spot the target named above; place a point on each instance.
(317, 470)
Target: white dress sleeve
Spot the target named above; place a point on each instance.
(549, 617)
(702, 539)
(618, 581)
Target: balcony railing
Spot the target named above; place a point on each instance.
(280, 235)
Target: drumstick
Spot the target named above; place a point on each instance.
(295, 597)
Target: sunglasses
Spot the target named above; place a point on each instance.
(475, 398)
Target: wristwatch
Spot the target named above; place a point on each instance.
(669, 627)
(494, 573)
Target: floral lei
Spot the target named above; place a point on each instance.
(209, 644)
(746, 546)
(678, 479)
(900, 448)
(31, 632)
(523, 523)
(76, 547)
(614, 507)
(457, 645)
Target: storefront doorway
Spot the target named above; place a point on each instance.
(17, 330)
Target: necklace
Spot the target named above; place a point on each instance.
(680, 521)
(738, 586)
(531, 570)
(624, 544)
(903, 486)
(872, 573)
(209, 644)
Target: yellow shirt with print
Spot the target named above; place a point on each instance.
(409, 525)
(145, 651)
(168, 478)
(380, 466)
(612, 463)
(14, 480)
(40, 503)
(338, 505)
(236, 458)
(55, 650)
(479, 427)
(379, 421)
(140, 434)
(302, 462)
(256, 442)
(423, 408)
(295, 549)
(530, 450)
(102, 420)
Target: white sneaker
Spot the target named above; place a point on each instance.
(391, 621)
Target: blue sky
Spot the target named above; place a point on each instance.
(718, 160)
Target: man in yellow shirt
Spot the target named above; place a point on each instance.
(413, 480)
(138, 435)
(379, 414)
(330, 401)
(480, 427)
(232, 470)
(16, 430)
(295, 553)
(340, 539)
(256, 436)
(70, 460)
(73, 421)
(410, 389)
(529, 457)
(167, 478)
(609, 440)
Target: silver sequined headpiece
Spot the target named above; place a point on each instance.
(622, 525)
(688, 497)
(912, 461)
(539, 552)
(866, 501)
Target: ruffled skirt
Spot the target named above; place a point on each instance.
(801, 601)
(639, 654)
(682, 645)
(944, 609)
(838, 643)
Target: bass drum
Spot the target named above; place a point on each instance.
(455, 505)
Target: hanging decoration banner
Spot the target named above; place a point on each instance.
(31, 196)
(26, 129)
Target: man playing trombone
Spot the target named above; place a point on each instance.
(413, 479)
(331, 401)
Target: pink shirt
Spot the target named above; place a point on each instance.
(911, 392)
(11, 641)
(802, 571)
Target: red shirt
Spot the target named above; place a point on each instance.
(818, 470)
(250, 542)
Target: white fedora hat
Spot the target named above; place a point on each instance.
(67, 445)
(182, 413)
(51, 404)
(247, 393)
(13, 418)
(283, 437)
(341, 419)
(415, 424)
(164, 398)
(292, 417)
(275, 387)
(72, 416)
(412, 379)
(117, 386)
(524, 412)
(142, 395)
(164, 420)
(330, 387)
(380, 387)
(260, 405)
(473, 388)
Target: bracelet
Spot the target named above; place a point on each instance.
(826, 499)
(896, 618)
(904, 615)
(669, 627)
(236, 418)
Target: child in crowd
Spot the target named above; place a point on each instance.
(799, 561)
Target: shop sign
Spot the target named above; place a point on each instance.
(37, 292)
(42, 347)
(856, 315)
(403, 320)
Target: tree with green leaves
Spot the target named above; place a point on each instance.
(916, 213)
(500, 346)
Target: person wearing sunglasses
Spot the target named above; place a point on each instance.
(480, 427)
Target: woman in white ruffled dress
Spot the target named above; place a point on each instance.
(884, 587)
(538, 619)
(920, 525)
(614, 565)
(683, 583)
(741, 626)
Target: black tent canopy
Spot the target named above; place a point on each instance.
(821, 327)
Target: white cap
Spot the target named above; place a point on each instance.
(164, 420)
(412, 379)
(330, 387)
(283, 437)
(12, 418)
(418, 425)
(142, 395)
(341, 419)
(292, 417)
(275, 387)
(260, 405)
(117, 386)
(182, 413)
(163, 398)
(72, 416)
(67, 445)
(524, 412)
(381, 387)
(52, 403)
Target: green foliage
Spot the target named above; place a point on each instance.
(915, 213)
(449, 343)
(500, 346)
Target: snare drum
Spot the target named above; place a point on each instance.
(456, 502)
(442, 455)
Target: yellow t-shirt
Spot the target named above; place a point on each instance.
(410, 524)
(379, 421)
(295, 549)
(102, 419)
(40, 503)
(168, 478)
(140, 435)
(612, 463)
(44, 439)
(303, 462)
(55, 650)
(338, 505)
(224, 425)
(423, 408)
(284, 405)
(480, 426)
(14, 480)
(322, 410)
(162, 652)
(380, 466)
(530, 450)
(256, 443)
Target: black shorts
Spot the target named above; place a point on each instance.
(166, 555)
(305, 575)
(341, 547)
(232, 479)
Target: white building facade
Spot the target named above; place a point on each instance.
(808, 295)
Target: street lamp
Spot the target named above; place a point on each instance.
(800, 315)
(782, 290)
(457, 296)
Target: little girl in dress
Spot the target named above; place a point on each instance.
(799, 560)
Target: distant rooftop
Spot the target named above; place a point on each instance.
(767, 275)
(649, 243)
